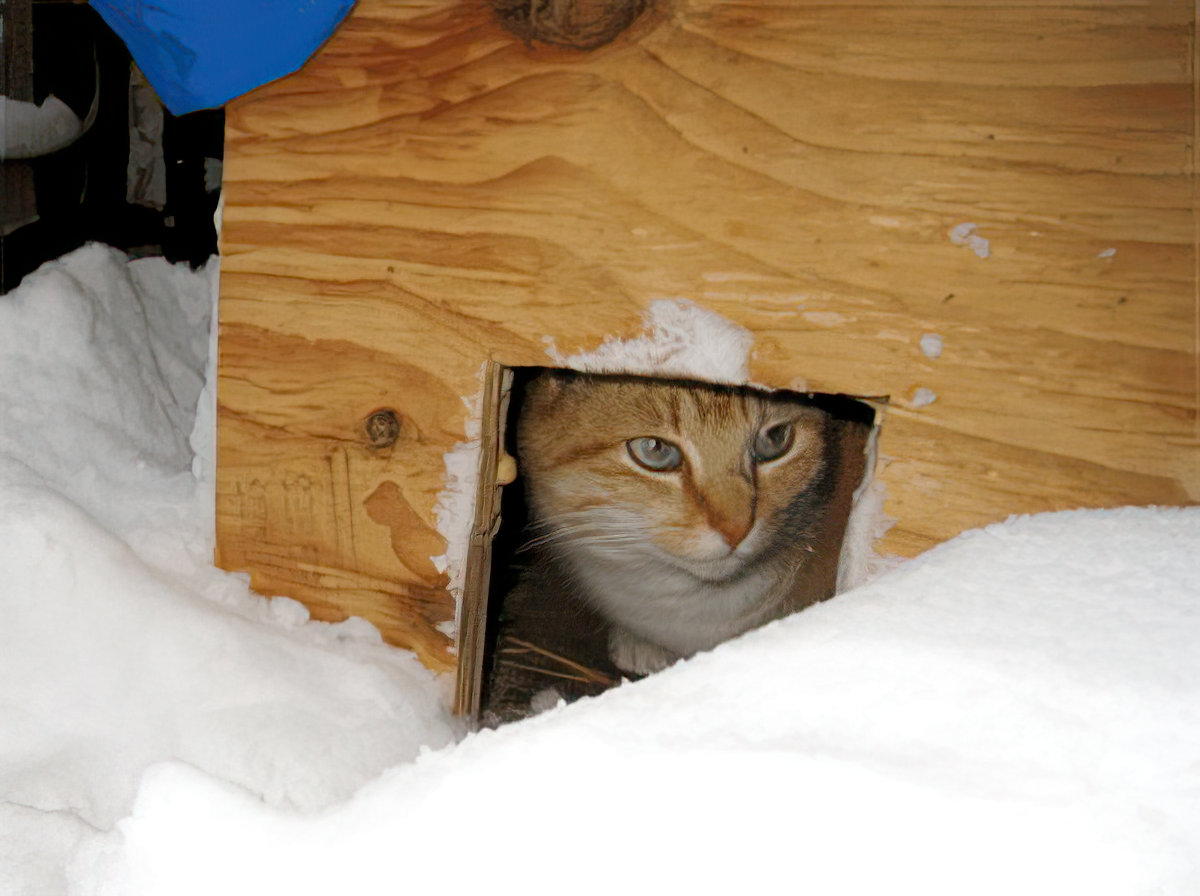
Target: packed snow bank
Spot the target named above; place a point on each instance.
(1016, 712)
(121, 645)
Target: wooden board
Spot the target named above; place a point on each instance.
(429, 192)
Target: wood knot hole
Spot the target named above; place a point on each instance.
(579, 24)
(383, 428)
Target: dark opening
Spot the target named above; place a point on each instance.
(548, 642)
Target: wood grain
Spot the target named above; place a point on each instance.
(430, 192)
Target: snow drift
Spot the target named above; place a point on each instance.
(121, 645)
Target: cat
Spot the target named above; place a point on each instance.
(683, 514)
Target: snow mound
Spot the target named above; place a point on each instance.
(122, 646)
(1016, 712)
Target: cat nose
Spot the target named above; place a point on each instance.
(727, 503)
(733, 528)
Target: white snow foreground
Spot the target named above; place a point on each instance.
(1017, 711)
(120, 645)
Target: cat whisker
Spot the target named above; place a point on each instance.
(608, 538)
(536, 542)
(589, 532)
(559, 534)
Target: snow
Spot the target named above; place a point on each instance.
(29, 130)
(932, 345)
(682, 339)
(921, 397)
(1017, 711)
(454, 510)
(122, 646)
(964, 235)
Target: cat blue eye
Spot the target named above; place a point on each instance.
(773, 442)
(655, 454)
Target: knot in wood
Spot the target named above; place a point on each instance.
(383, 428)
(581, 24)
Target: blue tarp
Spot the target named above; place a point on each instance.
(199, 55)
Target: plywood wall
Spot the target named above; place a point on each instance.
(430, 192)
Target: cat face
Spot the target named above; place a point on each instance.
(644, 472)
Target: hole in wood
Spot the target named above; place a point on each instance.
(653, 519)
(579, 24)
(383, 428)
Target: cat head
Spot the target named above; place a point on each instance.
(704, 478)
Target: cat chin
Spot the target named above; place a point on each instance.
(711, 559)
(718, 572)
(653, 565)
(715, 572)
(715, 568)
